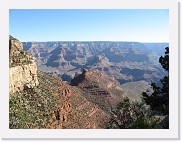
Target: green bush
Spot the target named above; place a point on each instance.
(32, 107)
(133, 115)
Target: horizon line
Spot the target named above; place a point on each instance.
(96, 41)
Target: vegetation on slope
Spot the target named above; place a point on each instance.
(31, 108)
(133, 115)
(53, 104)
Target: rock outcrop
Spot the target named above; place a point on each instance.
(22, 67)
(100, 89)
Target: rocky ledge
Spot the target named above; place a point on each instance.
(22, 67)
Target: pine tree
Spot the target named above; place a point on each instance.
(159, 99)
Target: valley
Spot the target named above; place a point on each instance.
(76, 85)
(126, 62)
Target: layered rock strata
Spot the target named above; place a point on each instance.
(22, 67)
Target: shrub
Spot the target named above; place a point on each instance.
(133, 115)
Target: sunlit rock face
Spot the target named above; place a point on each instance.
(22, 67)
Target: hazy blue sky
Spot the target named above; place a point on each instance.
(90, 25)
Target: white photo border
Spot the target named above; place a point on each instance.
(171, 133)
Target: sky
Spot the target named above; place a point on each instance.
(142, 25)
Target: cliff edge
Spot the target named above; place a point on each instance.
(22, 67)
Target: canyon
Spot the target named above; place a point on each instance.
(77, 85)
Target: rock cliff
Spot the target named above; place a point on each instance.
(22, 67)
(39, 100)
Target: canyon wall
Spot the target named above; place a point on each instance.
(22, 67)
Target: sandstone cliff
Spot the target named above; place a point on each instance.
(22, 67)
